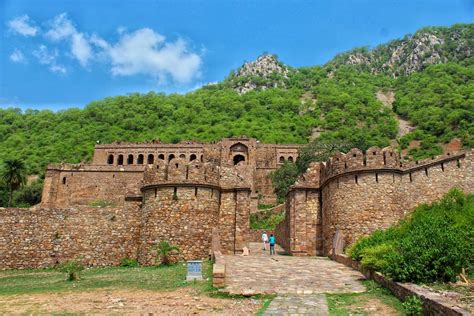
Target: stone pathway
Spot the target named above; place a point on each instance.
(263, 274)
(298, 305)
(299, 282)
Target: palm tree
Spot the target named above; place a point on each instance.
(163, 251)
(14, 175)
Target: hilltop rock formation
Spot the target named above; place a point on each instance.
(263, 73)
(413, 53)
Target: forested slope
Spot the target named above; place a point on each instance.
(276, 103)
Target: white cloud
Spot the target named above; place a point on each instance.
(81, 49)
(17, 56)
(58, 69)
(141, 52)
(146, 52)
(22, 25)
(49, 58)
(61, 28)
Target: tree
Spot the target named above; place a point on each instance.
(14, 176)
(317, 150)
(163, 251)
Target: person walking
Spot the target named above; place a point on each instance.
(264, 240)
(272, 244)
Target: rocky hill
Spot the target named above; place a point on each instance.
(413, 53)
(263, 73)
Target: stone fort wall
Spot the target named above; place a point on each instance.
(361, 192)
(180, 200)
(44, 237)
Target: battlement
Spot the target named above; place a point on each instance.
(376, 159)
(178, 170)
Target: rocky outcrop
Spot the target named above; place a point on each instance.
(263, 73)
(413, 53)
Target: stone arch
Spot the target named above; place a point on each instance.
(239, 152)
(238, 158)
(282, 159)
(290, 159)
(140, 159)
(171, 156)
(150, 159)
(161, 157)
(192, 157)
(130, 159)
(120, 160)
(110, 159)
(182, 156)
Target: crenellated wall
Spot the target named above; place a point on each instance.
(361, 192)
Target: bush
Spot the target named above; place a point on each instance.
(163, 252)
(413, 306)
(129, 263)
(433, 244)
(72, 268)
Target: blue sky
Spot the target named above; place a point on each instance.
(59, 54)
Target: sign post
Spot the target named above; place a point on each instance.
(194, 270)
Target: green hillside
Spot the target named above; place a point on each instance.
(432, 82)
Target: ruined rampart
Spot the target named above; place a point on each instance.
(361, 192)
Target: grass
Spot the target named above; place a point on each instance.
(266, 302)
(51, 281)
(354, 303)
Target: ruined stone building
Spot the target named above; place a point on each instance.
(132, 196)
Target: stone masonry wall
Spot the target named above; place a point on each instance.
(363, 201)
(183, 216)
(36, 238)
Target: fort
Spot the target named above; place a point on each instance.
(149, 192)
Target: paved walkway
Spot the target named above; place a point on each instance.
(314, 304)
(299, 282)
(260, 273)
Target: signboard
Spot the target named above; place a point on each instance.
(194, 270)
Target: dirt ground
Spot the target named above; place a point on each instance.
(373, 307)
(186, 301)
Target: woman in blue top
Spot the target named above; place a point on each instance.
(272, 241)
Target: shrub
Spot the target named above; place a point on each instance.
(129, 263)
(432, 244)
(413, 306)
(163, 251)
(72, 268)
(378, 256)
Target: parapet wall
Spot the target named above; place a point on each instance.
(361, 192)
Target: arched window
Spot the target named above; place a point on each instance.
(290, 159)
(120, 160)
(192, 157)
(64, 180)
(110, 160)
(282, 159)
(182, 156)
(130, 160)
(238, 158)
(140, 159)
(151, 159)
(161, 157)
(170, 157)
